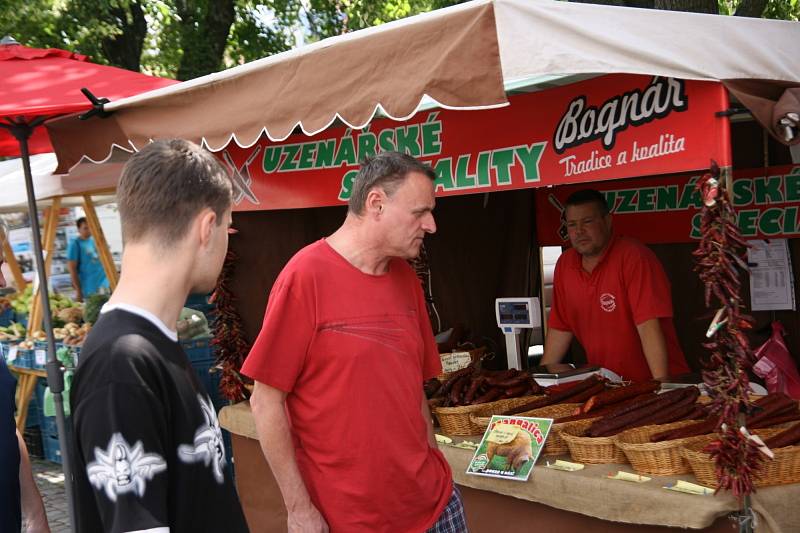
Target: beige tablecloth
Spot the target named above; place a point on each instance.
(591, 493)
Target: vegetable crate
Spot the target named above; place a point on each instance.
(25, 359)
(6, 317)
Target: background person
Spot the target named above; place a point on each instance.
(611, 293)
(83, 262)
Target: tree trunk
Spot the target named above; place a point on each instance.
(125, 49)
(751, 8)
(694, 6)
(204, 36)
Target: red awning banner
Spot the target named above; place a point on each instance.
(615, 126)
(666, 209)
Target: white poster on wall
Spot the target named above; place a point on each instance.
(771, 276)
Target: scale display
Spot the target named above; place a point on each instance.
(514, 313)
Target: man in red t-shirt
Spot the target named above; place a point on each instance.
(339, 364)
(612, 294)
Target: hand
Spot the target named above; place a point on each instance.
(307, 519)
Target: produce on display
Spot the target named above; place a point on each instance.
(92, 308)
(12, 332)
(721, 259)
(473, 385)
(232, 348)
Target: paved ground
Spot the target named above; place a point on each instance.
(50, 480)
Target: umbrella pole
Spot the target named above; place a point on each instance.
(55, 377)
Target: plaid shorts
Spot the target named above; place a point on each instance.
(452, 519)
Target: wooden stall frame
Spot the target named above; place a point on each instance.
(50, 226)
(100, 242)
(13, 265)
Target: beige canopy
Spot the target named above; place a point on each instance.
(465, 57)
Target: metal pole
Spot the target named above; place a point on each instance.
(55, 377)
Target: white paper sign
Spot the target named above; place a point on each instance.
(771, 277)
(41, 357)
(12, 353)
(453, 361)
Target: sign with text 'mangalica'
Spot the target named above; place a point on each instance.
(610, 127)
(666, 209)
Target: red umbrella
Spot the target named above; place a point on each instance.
(47, 82)
(38, 85)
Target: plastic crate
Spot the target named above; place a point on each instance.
(36, 405)
(6, 317)
(33, 441)
(48, 426)
(24, 358)
(52, 449)
(198, 349)
(199, 302)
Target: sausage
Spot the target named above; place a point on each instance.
(780, 406)
(498, 377)
(458, 387)
(516, 381)
(775, 421)
(676, 411)
(555, 398)
(701, 428)
(455, 377)
(472, 390)
(490, 395)
(698, 412)
(610, 424)
(513, 392)
(588, 393)
(785, 438)
(622, 393)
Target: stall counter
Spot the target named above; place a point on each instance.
(571, 501)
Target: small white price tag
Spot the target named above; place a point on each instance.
(453, 361)
(12, 353)
(41, 357)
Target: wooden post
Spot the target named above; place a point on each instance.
(50, 226)
(8, 256)
(100, 242)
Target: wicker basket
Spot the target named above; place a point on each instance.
(656, 458)
(554, 445)
(784, 469)
(591, 450)
(457, 421)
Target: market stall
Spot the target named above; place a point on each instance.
(525, 111)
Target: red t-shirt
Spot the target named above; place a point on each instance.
(602, 309)
(352, 350)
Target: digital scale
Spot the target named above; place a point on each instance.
(514, 315)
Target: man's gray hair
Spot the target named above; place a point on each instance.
(386, 170)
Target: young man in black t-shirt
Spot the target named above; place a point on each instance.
(148, 451)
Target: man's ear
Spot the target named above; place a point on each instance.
(376, 199)
(206, 222)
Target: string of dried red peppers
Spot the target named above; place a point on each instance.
(720, 261)
(232, 348)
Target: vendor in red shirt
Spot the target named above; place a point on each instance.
(339, 365)
(611, 293)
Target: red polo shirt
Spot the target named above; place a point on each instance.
(602, 309)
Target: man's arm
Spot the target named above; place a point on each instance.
(269, 411)
(72, 266)
(32, 505)
(556, 345)
(655, 348)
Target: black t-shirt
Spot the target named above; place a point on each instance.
(10, 516)
(148, 451)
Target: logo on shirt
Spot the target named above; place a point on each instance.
(208, 446)
(608, 302)
(120, 469)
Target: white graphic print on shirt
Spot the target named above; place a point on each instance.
(121, 469)
(208, 446)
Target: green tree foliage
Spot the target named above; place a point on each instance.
(188, 38)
